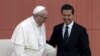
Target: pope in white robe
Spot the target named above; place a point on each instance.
(29, 39)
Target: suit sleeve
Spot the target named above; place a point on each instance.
(85, 43)
(53, 39)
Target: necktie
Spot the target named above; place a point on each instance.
(66, 33)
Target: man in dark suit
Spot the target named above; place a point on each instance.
(70, 38)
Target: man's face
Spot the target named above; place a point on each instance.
(43, 17)
(67, 16)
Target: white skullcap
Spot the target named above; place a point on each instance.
(38, 9)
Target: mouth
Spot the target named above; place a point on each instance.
(67, 19)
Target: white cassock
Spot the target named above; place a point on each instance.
(29, 39)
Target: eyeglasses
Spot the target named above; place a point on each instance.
(43, 17)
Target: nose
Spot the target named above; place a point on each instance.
(66, 17)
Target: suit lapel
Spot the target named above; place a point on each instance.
(74, 32)
(61, 30)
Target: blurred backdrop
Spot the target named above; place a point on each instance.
(87, 14)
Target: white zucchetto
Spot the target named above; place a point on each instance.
(38, 9)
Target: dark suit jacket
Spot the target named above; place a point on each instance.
(76, 45)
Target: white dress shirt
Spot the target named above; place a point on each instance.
(69, 28)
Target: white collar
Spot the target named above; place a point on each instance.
(69, 25)
(33, 21)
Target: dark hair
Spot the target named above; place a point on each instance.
(67, 7)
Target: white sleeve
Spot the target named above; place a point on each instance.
(18, 35)
(19, 50)
(50, 50)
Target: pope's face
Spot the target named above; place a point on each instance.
(43, 17)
